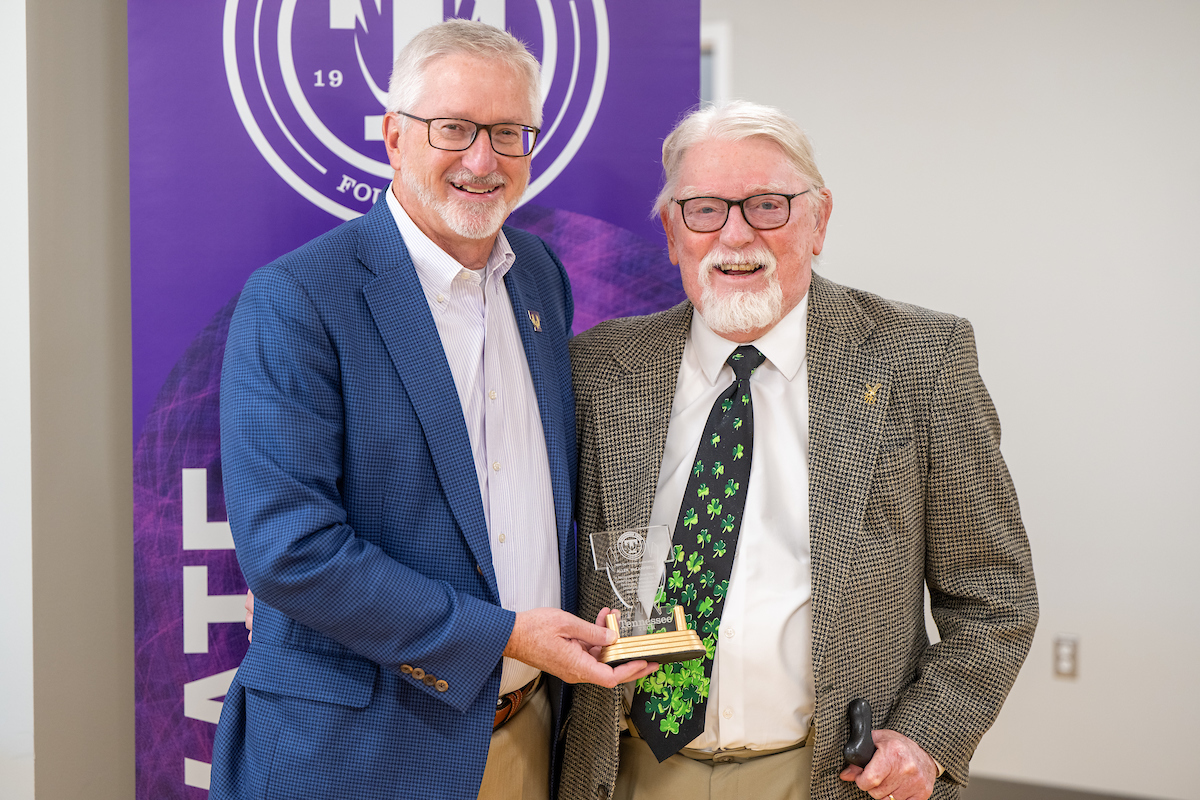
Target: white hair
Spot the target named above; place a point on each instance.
(460, 37)
(734, 122)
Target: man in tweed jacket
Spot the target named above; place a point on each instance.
(905, 488)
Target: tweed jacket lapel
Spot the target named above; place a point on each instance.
(401, 312)
(630, 415)
(847, 402)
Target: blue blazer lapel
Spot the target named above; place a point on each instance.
(401, 313)
(538, 343)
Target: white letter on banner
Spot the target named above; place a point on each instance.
(199, 696)
(344, 13)
(196, 773)
(200, 608)
(198, 532)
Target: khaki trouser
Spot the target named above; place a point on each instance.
(518, 762)
(780, 776)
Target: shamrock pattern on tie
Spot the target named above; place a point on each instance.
(668, 706)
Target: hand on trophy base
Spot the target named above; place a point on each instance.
(681, 644)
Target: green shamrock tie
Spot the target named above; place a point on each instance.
(668, 706)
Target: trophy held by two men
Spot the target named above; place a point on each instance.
(635, 561)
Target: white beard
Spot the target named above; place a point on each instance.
(467, 219)
(738, 312)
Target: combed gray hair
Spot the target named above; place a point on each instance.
(461, 37)
(734, 122)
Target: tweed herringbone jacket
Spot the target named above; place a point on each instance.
(906, 490)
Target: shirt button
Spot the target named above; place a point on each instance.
(496, 466)
(492, 394)
(727, 713)
(501, 538)
(441, 298)
(728, 632)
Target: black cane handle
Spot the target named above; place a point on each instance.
(860, 747)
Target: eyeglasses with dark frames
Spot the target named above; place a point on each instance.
(762, 212)
(507, 138)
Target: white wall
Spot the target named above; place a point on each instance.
(1035, 167)
(16, 550)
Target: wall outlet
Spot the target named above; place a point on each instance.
(1066, 655)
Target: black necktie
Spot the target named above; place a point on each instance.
(668, 706)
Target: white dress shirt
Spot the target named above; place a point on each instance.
(762, 694)
(474, 318)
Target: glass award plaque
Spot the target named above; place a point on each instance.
(647, 627)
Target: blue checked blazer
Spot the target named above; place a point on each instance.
(355, 508)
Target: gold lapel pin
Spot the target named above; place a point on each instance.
(536, 319)
(871, 390)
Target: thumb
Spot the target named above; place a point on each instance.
(591, 635)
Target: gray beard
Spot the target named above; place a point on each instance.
(742, 311)
(468, 220)
(738, 312)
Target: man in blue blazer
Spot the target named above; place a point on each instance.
(398, 446)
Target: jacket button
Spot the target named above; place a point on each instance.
(479, 569)
(430, 680)
(405, 669)
(441, 686)
(418, 673)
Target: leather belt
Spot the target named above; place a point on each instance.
(509, 704)
(736, 755)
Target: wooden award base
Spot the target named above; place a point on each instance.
(681, 644)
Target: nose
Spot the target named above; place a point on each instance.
(480, 158)
(737, 232)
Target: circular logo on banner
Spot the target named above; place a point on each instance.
(309, 80)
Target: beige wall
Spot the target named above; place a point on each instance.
(1033, 166)
(82, 485)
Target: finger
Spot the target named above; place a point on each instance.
(587, 634)
(602, 616)
(851, 773)
(869, 780)
(884, 791)
(633, 670)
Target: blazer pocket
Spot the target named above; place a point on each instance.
(345, 681)
(897, 461)
(896, 506)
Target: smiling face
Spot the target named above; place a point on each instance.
(743, 280)
(460, 199)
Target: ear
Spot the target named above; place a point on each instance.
(392, 139)
(822, 222)
(672, 253)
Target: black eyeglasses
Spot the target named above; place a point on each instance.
(762, 212)
(507, 138)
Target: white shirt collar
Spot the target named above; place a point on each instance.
(783, 345)
(436, 268)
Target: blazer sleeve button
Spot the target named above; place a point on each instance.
(441, 686)
(418, 673)
(429, 680)
(405, 669)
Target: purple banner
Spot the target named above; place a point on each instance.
(253, 128)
